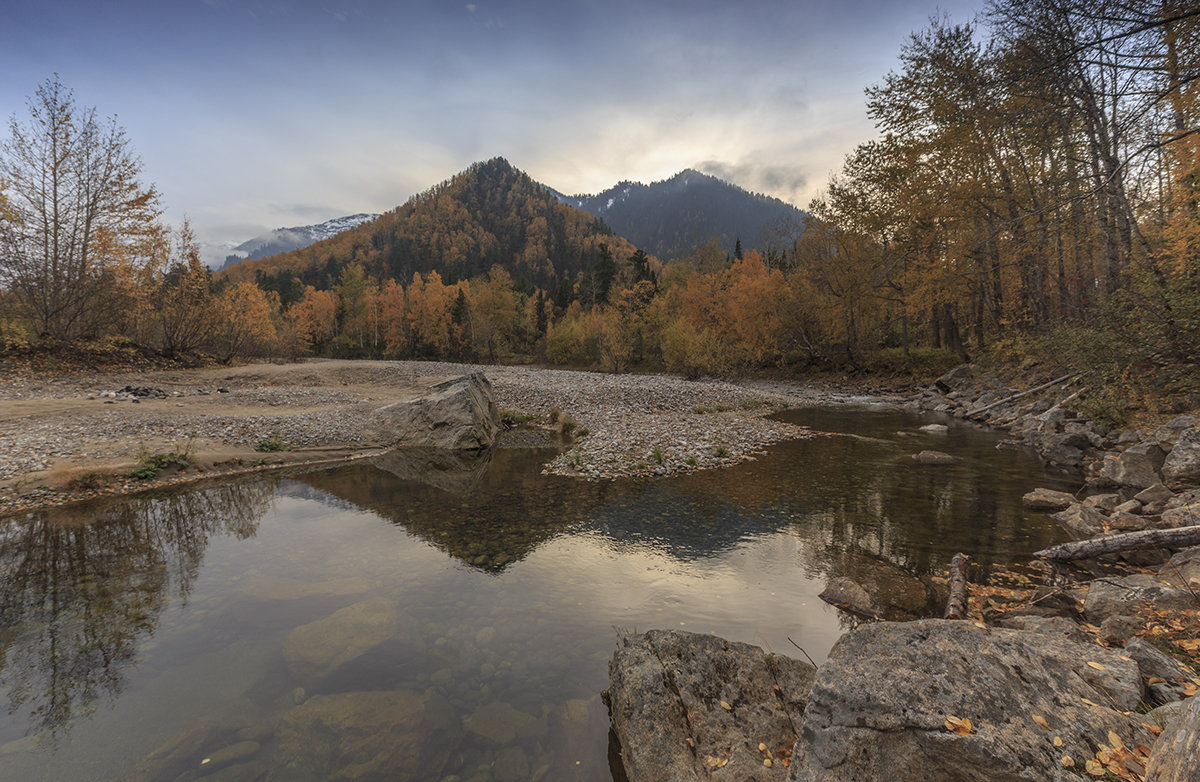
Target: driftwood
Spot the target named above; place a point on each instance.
(1181, 537)
(956, 605)
(1014, 397)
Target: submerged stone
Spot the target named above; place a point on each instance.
(315, 650)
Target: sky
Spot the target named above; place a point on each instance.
(259, 114)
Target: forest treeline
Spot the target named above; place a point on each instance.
(1032, 194)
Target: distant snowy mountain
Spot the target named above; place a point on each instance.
(283, 240)
(668, 219)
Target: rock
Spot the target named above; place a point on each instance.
(1183, 569)
(1105, 503)
(174, 753)
(1052, 625)
(502, 724)
(1156, 493)
(1048, 499)
(1185, 516)
(454, 472)
(511, 765)
(1153, 663)
(1176, 754)
(275, 588)
(1129, 506)
(953, 379)
(878, 707)
(234, 753)
(316, 650)
(667, 687)
(1182, 465)
(1168, 434)
(367, 735)
(1126, 597)
(900, 594)
(1123, 521)
(934, 457)
(458, 414)
(849, 595)
(574, 726)
(935, 429)
(1081, 520)
(1116, 630)
(1137, 466)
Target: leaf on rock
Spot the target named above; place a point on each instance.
(1067, 761)
(960, 726)
(1096, 665)
(1115, 740)
(1058, 742)
(1041, 722)
(1094, 768)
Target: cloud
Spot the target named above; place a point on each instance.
(782, 180)
(472, 8)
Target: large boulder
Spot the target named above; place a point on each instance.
(1130, 595)
(687, 706)
(1182, 465)
(459, 414)
(1081, 520)
(315, 651)
(1048, 499)
(1137, 466)
(954, 379)
(879, 707)
(1183, 569)
(849, 595)
(1176, 754)
(379, 735)
(1168, 434)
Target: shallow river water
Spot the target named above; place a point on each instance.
(433, 618)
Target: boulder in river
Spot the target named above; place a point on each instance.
(849, 595)
(880, 707)
(1081, 520)
(934, 457)
(1048, 499)
(316, 650)
(367, 735)
(459, 414)
(690, 707)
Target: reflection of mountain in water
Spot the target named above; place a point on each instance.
(82, 585)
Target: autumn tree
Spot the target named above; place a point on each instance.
(243, 316)
(315, 317)
(184, 301)
(77, 214)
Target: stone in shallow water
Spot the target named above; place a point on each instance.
(315, 650)
(502, 724)
(396, 736)
(275, 588)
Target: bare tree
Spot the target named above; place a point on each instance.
(78, 219)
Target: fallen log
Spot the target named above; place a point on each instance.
(1180, 537)
(1055, 382)
(956, 604)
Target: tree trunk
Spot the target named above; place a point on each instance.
(956, 605)
(1182, 537)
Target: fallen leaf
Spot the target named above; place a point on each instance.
(715, 762)
(726, 706)
(1058, 742)
(1094, 768)
(1041, 722)
(960, 726)
(1155, 680)
(1190, 689)
(1115, 740)
(1090, 703)
(1096, 665)
(1067, 761)
(1155, 729)
(1143, 750)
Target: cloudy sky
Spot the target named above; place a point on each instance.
(256, 114)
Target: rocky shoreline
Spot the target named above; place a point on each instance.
(1062, 679)
(58, 431)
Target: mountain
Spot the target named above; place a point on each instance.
(283, 240)
(668, 219)
(489, 214)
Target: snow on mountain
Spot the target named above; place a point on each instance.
(283, 240)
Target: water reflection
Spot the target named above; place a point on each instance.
(81, 586)
(485, 604)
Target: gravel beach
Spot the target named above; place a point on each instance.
(52, 429)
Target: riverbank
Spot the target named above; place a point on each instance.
(69, 437)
